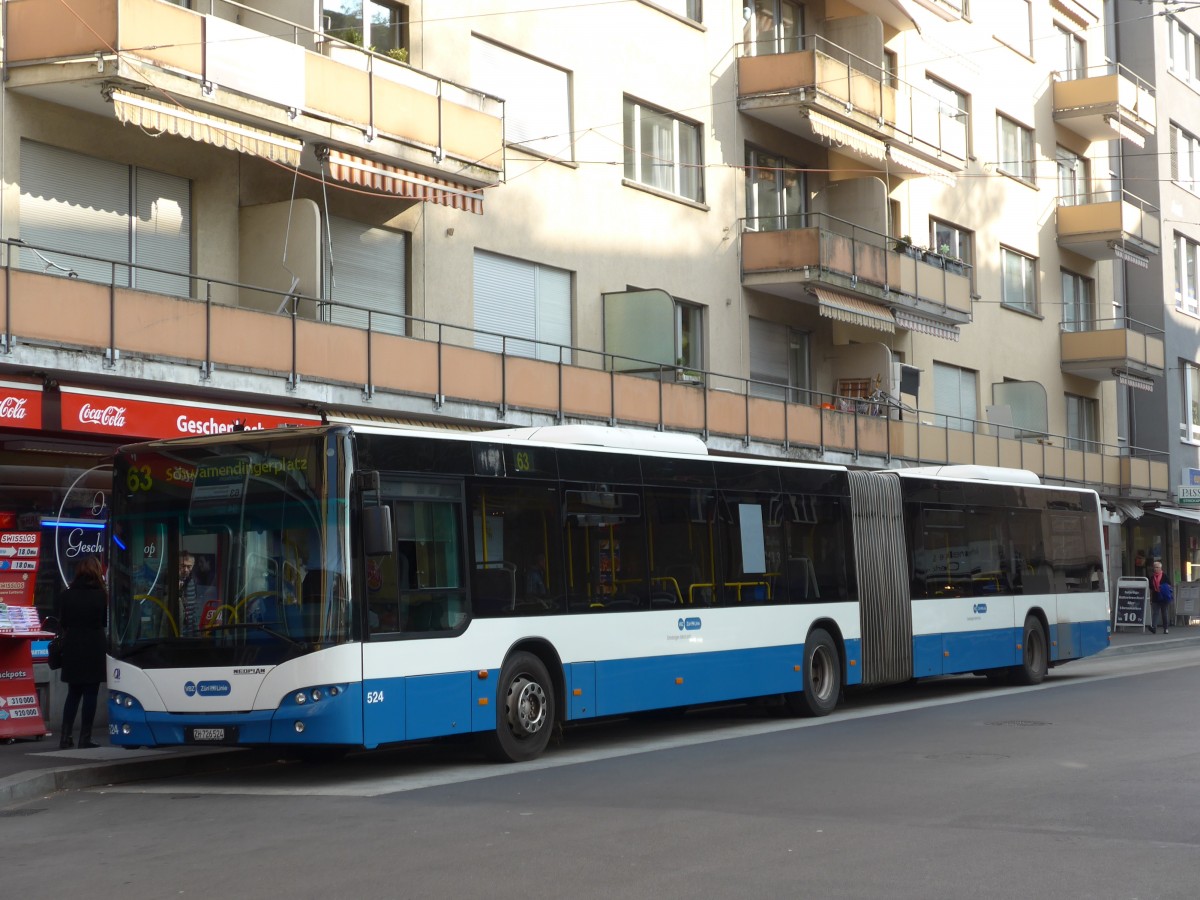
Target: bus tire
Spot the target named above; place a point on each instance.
(1035, 659)
(525, 711)
(822, 678)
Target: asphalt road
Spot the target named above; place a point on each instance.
(1088, 786)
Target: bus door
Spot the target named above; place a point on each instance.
(416, 592)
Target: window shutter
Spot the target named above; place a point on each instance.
(553, 313)
(77, 203)
(1176, 142)
(504, 294)
(366, 267)
(162, 236)
(768, 357)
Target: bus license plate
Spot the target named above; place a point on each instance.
(224, 735)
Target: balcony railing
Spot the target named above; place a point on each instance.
(407, 362)
(1104, 103)
(914, 130)
(1096, 223)
(1121, 349)
(779, 252)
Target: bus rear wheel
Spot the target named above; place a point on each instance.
(822, 678)
(524, 710)
(1035, 659)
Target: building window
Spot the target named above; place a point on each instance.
(662, 151)
(1184, 49)
(951, 241)
(522, 308)
(1015, 149)
(891, 68)
(1079, 303)
(1019, 285)
(1013, 24)
(775, 193)
(537, 98)
(1187, 275)
(954, 115)
(1073, 180)
(1190, 429)
(366, 268)
(109, 211)
(1072, 59)
(378, 25)
(779, 361)
(955, 397)
(1082, 417)
(1185, 159)
(689, 335)
(772, 26)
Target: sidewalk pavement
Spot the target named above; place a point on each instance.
(34, 768)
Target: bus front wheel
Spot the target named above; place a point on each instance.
(525, 710)
(1034, 655)
(822, 678)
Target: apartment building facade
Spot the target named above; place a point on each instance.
(881, 233)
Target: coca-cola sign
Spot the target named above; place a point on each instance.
(101, 412)
(110, 416)
(20, 405)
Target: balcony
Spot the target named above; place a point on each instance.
(1113, 349)
(1107, 103)
(266, 90)
(1109, 225)
(828, 95)
(421, 370)
(817, 252)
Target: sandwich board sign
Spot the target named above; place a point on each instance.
(1133, 595)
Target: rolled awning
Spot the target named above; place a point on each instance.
(134, 109)
(1134, 381)
(917, 322)
(914, 163)
(846, 136)
(388, 179)
(854, 311)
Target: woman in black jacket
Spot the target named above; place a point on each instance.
(82, 614)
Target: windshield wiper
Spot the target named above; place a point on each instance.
(261, 626)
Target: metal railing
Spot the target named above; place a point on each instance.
(869, 418)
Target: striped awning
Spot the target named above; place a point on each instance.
(386, 179)
(846, 136)
(913, 163)
(1134, 381)
(916, 322)
(854, 311)
(169, 118)
(1132, 135)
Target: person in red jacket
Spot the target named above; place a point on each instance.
(1161, 596)
(82, 615)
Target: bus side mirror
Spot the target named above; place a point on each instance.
(377, 531)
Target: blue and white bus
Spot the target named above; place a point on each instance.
(349, 586)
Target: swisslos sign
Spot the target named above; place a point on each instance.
(20, 405)
(105, 412)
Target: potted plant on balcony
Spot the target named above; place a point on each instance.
(687, 376)
(953, 263)
(904, 244)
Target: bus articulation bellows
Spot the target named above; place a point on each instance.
(360, 586)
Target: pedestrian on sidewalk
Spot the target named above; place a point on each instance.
(1161, 596)
(82, 613)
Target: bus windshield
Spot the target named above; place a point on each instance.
(230, 553)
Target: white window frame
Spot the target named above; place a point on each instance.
(1187, 274)
(1023, 296)
(537, 98)
(954, 108)
(1014, 25)
(689, 335)
(761, 37)
(1072, 53)
(1083, 422)
(1074, 177)
(675, 169)
(1185, 159)
(1189, 428)
(955, 397)
(1078, 302)
(1183, 50)
(776, 192)
(1019, 141)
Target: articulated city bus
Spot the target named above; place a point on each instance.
(340, 586)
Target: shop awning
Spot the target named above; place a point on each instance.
(1174, 512)
(854, 311)
(387, 179)
(169, 118)
(917, 322)
(846, 136)
(20, 405)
